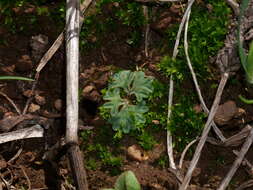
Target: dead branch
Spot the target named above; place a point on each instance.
(237, 162)
(205, 132)
(27, 178)
(35, 131)
(11, 102)
(72, 58)
(245, 185)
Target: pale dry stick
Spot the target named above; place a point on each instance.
(245, 185)
(27, 178)
(237, 162)
(201, 99)
(11, 102)
(72, 80)
(184, 152)
(169, 136)
(51, 51)
(35, 131)
(147, 28)
(246, 162)
(234, 5)
(170, 98)
(205, 132)
(15, 156)
(56, 45)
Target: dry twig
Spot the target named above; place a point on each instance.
(11, 102)
(204, 133)
(237, 162)
(27, 178)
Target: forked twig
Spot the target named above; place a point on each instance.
(11, 102)
(205, 132)
(237, 162)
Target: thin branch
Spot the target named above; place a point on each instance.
(35, 131)
(157, 1)
(237, 162)
(147, 29)
(11, 102)
(185, 150)
(201, 99)
(204, 133)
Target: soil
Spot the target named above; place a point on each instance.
(28, 167)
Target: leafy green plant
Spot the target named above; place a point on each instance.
(185, 123)
(126, 100)
(126, 181)
(206, 34)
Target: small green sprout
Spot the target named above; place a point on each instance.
(126, 181)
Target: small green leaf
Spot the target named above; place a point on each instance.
(15, 78)
(127, 181)
(250, 64)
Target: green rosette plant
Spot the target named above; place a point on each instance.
(126, 99)
(126, 181)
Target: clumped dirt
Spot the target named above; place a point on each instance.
(27, 168)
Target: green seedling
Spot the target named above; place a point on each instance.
(126, 181)
(126, 100)
(15, 78)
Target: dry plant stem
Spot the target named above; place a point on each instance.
(234, 6)
(72, 58)
(11, 102)
(184, 152)
(246, 162)
(245, 185)
(169, 136)
(56, 45)
(147, 28)
(35, 131)
(170, 98)
(237, 162)
(7, 185)
(27, 178)
(15, 156)
(204, 133)
(203, 105)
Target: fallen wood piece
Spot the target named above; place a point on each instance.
(205, 132)
(35, 131)
(238, 138)
(245, 185)
(247, 163)
(237, 162)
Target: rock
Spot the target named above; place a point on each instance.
(136, 153)
(156, 152)
(24, 64)
(225, 113)
(58, 104)
(87, 90)
(40, 100)
(33, 108)
(3, 164)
